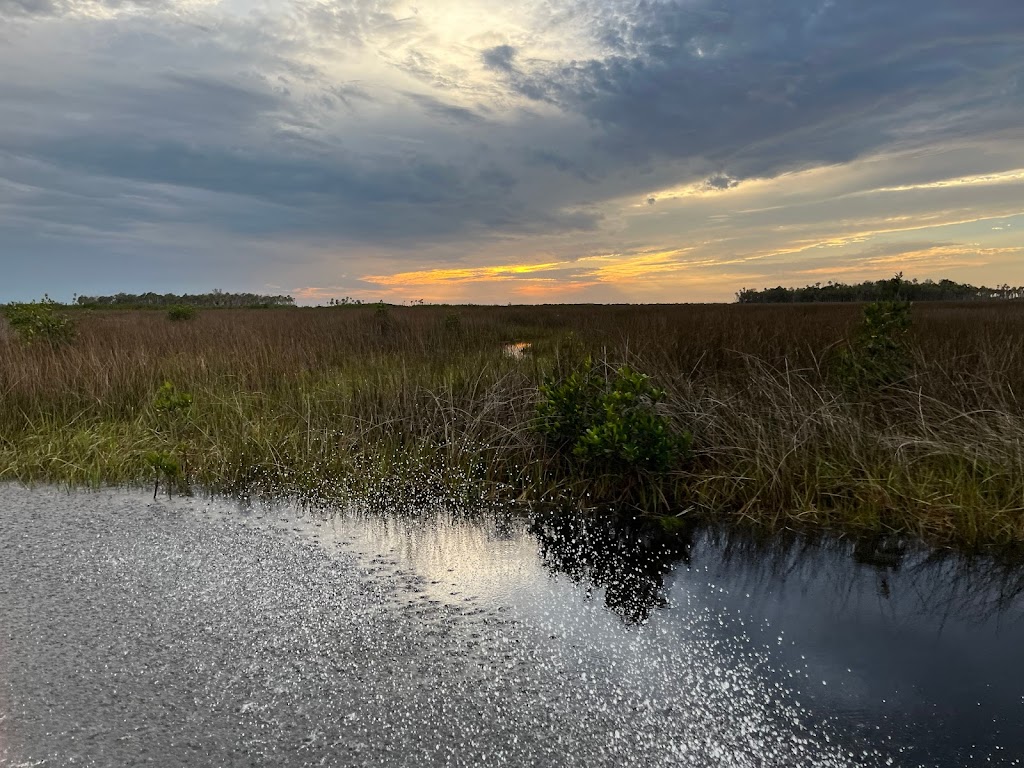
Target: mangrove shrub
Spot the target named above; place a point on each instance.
(180, 312)
(878, 353)
(36, 322)
(610, 424)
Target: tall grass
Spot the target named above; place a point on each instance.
(343, 401)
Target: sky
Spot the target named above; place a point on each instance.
(524, 151)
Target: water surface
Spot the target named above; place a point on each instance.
(215, 633)
(911, 653)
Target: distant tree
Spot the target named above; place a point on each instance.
(892, 289)
(215, 298)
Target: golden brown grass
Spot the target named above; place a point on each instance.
(340, 401)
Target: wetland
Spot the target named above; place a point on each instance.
(372, 535)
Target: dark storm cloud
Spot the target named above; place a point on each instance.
(758, 88)
(195, 96)
(720, 181)
(378, 199)
(548, 158)
(348, 94)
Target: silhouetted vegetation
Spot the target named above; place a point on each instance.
(877, 354)
(878, 290)
(215, 298)
(626, 557)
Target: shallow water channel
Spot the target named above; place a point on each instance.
(197, 632)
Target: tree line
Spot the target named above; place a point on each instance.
(895, 288)
(215, 298)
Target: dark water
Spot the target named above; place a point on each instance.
(913, 653)
(211, 633)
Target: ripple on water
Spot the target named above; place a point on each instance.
(190, 632)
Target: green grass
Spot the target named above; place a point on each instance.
(351, 402)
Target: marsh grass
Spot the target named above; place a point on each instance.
(348, 401)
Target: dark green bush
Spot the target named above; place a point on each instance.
(610, 424)
(39, 322)
(163, 464)
(453, 324)
(180, 312)
(569, 407)
(383, 322)
(878, 354)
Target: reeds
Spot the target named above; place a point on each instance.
(336, 402)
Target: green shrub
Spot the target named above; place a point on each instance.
(610, 424)
(383, 322)
(166, 468)
(629, 433)
(878, 354)
(171, 405)
(169, 400)
(569, 407)
(452, 324)
(40, 322)
(163, 464)
(180, 312)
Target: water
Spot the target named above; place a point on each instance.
(211, 633)
(517, 349)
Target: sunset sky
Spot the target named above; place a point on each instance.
(518, 151)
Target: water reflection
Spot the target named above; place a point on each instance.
(517, 349)
(628, 559)
(913, 579)
(914, 652)
(887, 636)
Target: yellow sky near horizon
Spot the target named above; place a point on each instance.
(759, 234)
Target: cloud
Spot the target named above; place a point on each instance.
(500, 57)
(87, 8)
(438, 108)
(720, 181)
(485, 134)
(763, 88)
(16, 8)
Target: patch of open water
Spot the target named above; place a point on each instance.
(222, 634)
(911, 653)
